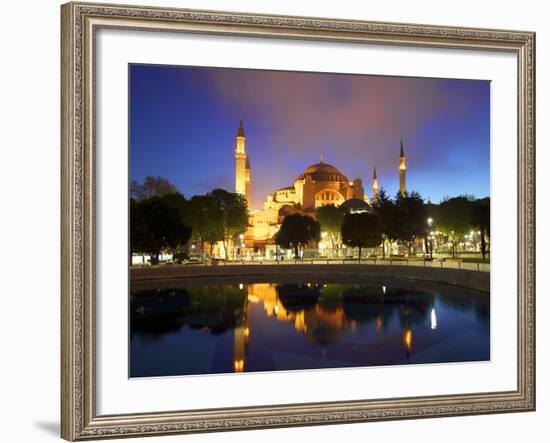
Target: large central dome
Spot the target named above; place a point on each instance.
(323, 172)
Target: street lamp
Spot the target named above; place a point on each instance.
(430, 222)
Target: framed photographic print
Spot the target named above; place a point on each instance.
(281, 221)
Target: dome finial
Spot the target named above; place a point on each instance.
(321, 157)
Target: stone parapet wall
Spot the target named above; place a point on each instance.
(479, 281)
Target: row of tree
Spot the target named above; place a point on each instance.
(402, 218)
(162, 219)
(407, 218)
(457, 216)
(360, 230)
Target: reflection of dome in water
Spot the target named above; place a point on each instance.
(323, 172)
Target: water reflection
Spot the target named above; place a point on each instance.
(272, 326)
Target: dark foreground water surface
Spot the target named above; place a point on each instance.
(215, 327)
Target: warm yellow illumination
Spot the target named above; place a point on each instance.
(407, 339)
(238, 365)
(253, 299)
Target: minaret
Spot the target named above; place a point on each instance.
(402, 171)
(247, 181)
(374, 188)
(242, 165)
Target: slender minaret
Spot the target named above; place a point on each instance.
(374, 188)
(402, 171)
(242, 165)
(247, 181)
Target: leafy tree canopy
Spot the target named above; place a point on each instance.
(205, 217)
(155, 226)
(481, 214)
(454, 216)
(233, 212)
(297, 231)
(331, 218)
(362, 230)
(151, 187)
(412, 216)
(386, 210)
(481, 219)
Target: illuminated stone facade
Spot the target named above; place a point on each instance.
(318, 185)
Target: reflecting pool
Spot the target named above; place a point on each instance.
(218, 326)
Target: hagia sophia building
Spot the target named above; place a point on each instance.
(318, 185)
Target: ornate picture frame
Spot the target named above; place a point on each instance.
(80, 22)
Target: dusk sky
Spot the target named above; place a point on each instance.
(183, 122)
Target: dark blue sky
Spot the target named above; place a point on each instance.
(183, 122)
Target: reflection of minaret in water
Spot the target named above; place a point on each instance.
(402, 171)
(241, 336)
(374, 188)
(242, 165)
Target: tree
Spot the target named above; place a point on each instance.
(361, 230)
(331, 218)
(204, 217)
(454, 218)
(297, 231)
(386, 210)
(481, 218)
(155, 226)
(412, 217)
(233, 212)
(151, 187)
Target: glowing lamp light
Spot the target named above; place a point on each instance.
(407, 339)
(378, 324)
(433, 319)
(241, 286)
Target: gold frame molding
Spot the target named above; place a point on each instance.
(79, 22)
